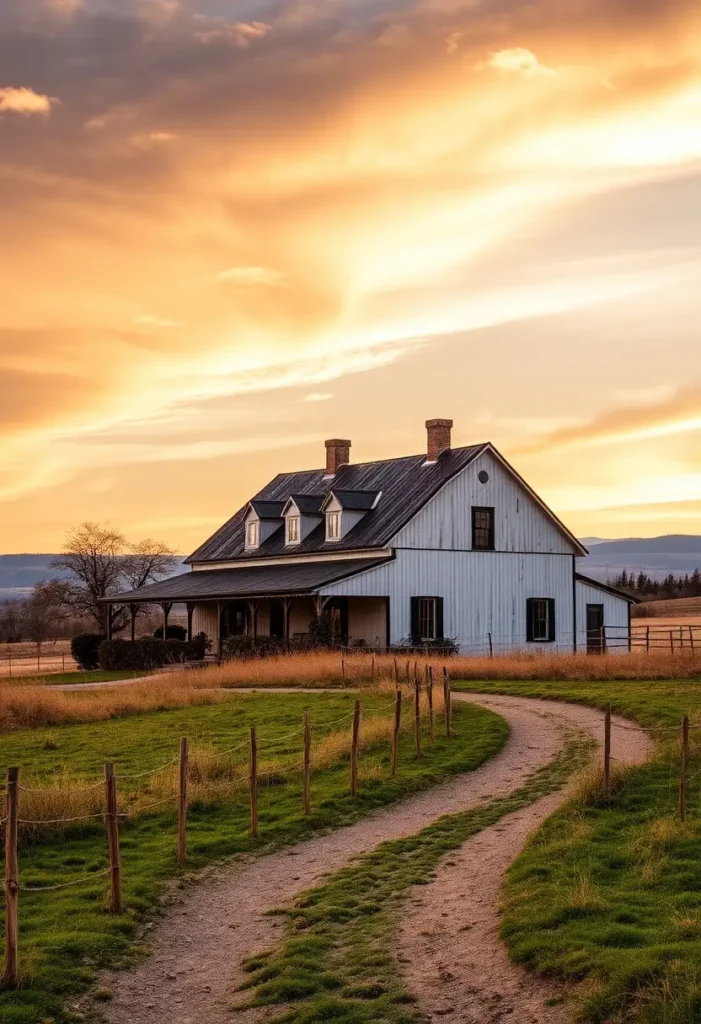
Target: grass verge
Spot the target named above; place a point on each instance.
(336, 962)
(65, 935)
(608, 893)
(56, 678)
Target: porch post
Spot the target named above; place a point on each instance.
(133, 608)
(286, 603)
(165, 607)
(190, 609)
(218, 637)
(253, 609)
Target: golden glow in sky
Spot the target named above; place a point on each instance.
(227, 236)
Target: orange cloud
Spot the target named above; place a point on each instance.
(25, 101)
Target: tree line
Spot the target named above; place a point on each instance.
(97, 561)
(645, 588)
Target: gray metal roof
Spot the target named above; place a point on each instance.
(248, 581)
(406, 485)
(606, 588)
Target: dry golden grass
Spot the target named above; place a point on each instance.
(334, 669)
(26, 707)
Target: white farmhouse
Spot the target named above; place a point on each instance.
(449, 544)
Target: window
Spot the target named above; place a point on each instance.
(292, 529)
(540, 620)
(333, 525)
(482, 529)
(252, 535)
(426, 619)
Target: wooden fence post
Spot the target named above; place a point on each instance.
(682, 775)
(395, 731)
(11, 975)
(396, 672)
(491, 646)
(408, 677)
(607, 752)
(343, 668)
(112, 826)
(429, 696)
(307, 764)
(254, 783)
(691, 637)
(182, 802)
(446, 699)
(417, 716)
(647, 640)
(671, 641)
(372, 669)
(354, 749)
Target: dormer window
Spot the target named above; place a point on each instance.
(251, 534)
(333, 525)
(292, 529)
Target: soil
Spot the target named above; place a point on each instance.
(453, 964)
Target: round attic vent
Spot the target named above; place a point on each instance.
(483, 476)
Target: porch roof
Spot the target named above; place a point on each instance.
(247, 581)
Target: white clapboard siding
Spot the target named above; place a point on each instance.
(483, 592)
(520, 523)
(205, 620)
(615, 616)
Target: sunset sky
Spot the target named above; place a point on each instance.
(230, 230)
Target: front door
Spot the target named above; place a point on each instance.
(596, 638)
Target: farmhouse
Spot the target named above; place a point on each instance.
(451, 544)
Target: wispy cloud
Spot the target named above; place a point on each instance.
(21, 100)
(516, 60)
(240, 34)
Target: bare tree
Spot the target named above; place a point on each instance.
(11, 621)
(43, 612)
(99, 562)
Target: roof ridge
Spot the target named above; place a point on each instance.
(375, 462)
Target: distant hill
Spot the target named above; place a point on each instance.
(19, 573)
(656, 556)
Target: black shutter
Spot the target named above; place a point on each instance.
(529, 618)
(551, 620)
(415, 626)
(439, 618)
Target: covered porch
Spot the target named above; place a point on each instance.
(267, 601)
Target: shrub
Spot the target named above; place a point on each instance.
(85, 649)
(174, 632)
(447, 647)
(148, 653)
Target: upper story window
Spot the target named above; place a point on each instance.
(482, 529)
(333, 525)
(252, 535)
(293, 529)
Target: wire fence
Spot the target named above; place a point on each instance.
(254, 773)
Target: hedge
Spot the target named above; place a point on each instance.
(85, 649)
(148, 653)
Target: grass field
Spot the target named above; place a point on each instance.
(608, 894)
(66, 936)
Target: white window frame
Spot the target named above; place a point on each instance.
(541, 623)
(252, 533)
(428, 617)
(333, 525)
(293, 529)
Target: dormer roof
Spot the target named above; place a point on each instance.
(307, 504)
(354, 501)
(266, 509)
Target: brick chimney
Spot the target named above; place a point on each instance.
(337, 455)
(438, 438)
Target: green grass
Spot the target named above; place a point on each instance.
(609, 893)
(336, 962)
(66, 937)
(54, 678)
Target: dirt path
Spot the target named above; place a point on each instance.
(199, 943)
